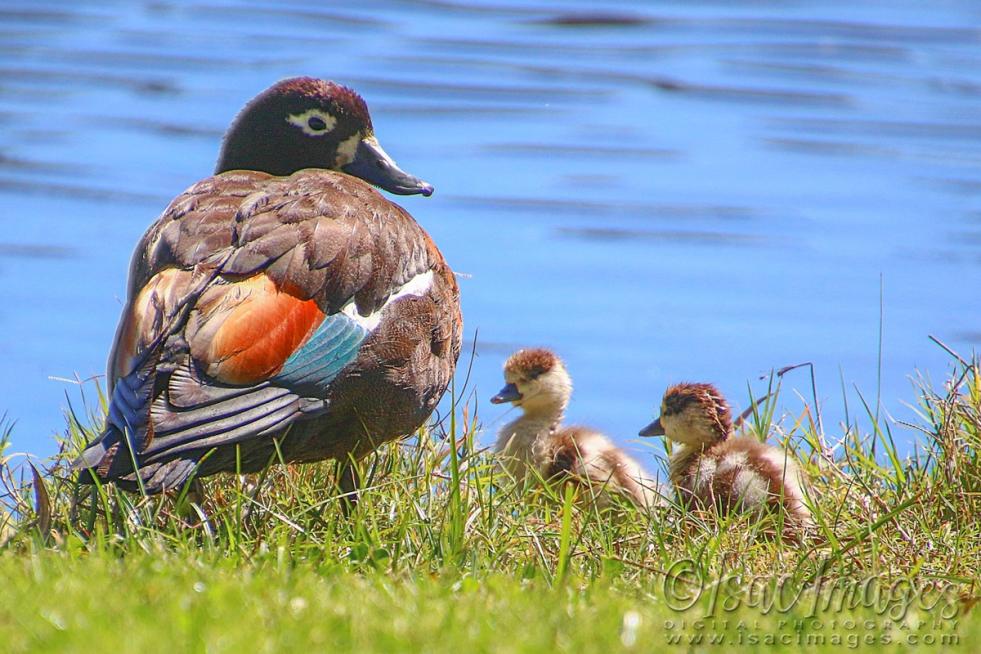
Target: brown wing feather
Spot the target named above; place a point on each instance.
(145, 318)
(322, 238)
(316, 235)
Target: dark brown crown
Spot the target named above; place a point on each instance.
(704, 398)
(312, 92)
(531, 363)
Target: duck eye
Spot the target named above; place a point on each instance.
(313, 122)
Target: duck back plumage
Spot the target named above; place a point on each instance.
(530, 450)
(740, 473)
(304, 316)
(586, 457)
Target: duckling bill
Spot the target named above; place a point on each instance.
(537, 446)
(714, 467)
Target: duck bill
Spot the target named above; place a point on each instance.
(507, 394)
(653, 429)
(373, 165)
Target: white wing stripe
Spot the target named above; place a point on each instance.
(418, 286)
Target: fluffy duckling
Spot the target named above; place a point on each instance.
(713, 467)
(537, 445)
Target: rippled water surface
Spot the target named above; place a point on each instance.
(659, 191)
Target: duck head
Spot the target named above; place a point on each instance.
(303, 122)
(692, 414)
(537, 381)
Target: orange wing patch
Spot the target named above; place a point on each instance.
(146, 316)
(246, 330)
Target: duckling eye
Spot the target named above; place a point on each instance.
(316, 123)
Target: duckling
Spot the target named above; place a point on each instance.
(536, 445)
(713, 467)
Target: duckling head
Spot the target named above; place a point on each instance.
(537, 381)
(692, 414)
(303, 122)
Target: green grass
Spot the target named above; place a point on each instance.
(162, 601)
(444, 553)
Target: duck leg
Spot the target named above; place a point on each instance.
(190, 508)
(195, 492)
(349, 484)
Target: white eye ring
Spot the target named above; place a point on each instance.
(303, 121)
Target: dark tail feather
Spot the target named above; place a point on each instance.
(187, 420)
(92, 455)
(108, 456)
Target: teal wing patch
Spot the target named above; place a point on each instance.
(313, 366)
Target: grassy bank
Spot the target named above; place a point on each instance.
(160, 601)
(443, 552)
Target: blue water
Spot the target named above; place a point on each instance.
(665, 191)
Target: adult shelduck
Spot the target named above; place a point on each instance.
(281, 309)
